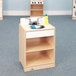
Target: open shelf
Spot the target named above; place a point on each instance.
(36, 13)
(39, 58)
(39, 44)
(36, 9)
(37, 6)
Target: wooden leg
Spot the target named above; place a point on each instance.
(1, 18)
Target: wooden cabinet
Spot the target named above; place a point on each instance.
(74, 9)
(36, 48)
(1, 9)
(36, 7)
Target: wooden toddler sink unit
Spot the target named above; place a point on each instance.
(36, 47)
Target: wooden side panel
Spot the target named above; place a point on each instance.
(54, 47)
(22, 46)
(51, 53)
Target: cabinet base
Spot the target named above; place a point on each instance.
(39, 67)
(74, 18)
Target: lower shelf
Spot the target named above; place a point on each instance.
(40, 58)
(37, 13)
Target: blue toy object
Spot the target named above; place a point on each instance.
(36, 26)
(33, 27)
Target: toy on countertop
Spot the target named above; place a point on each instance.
(37, 26)
(46, 20)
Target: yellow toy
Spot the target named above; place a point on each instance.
(46, 20)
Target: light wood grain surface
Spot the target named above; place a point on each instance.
(36, 53)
